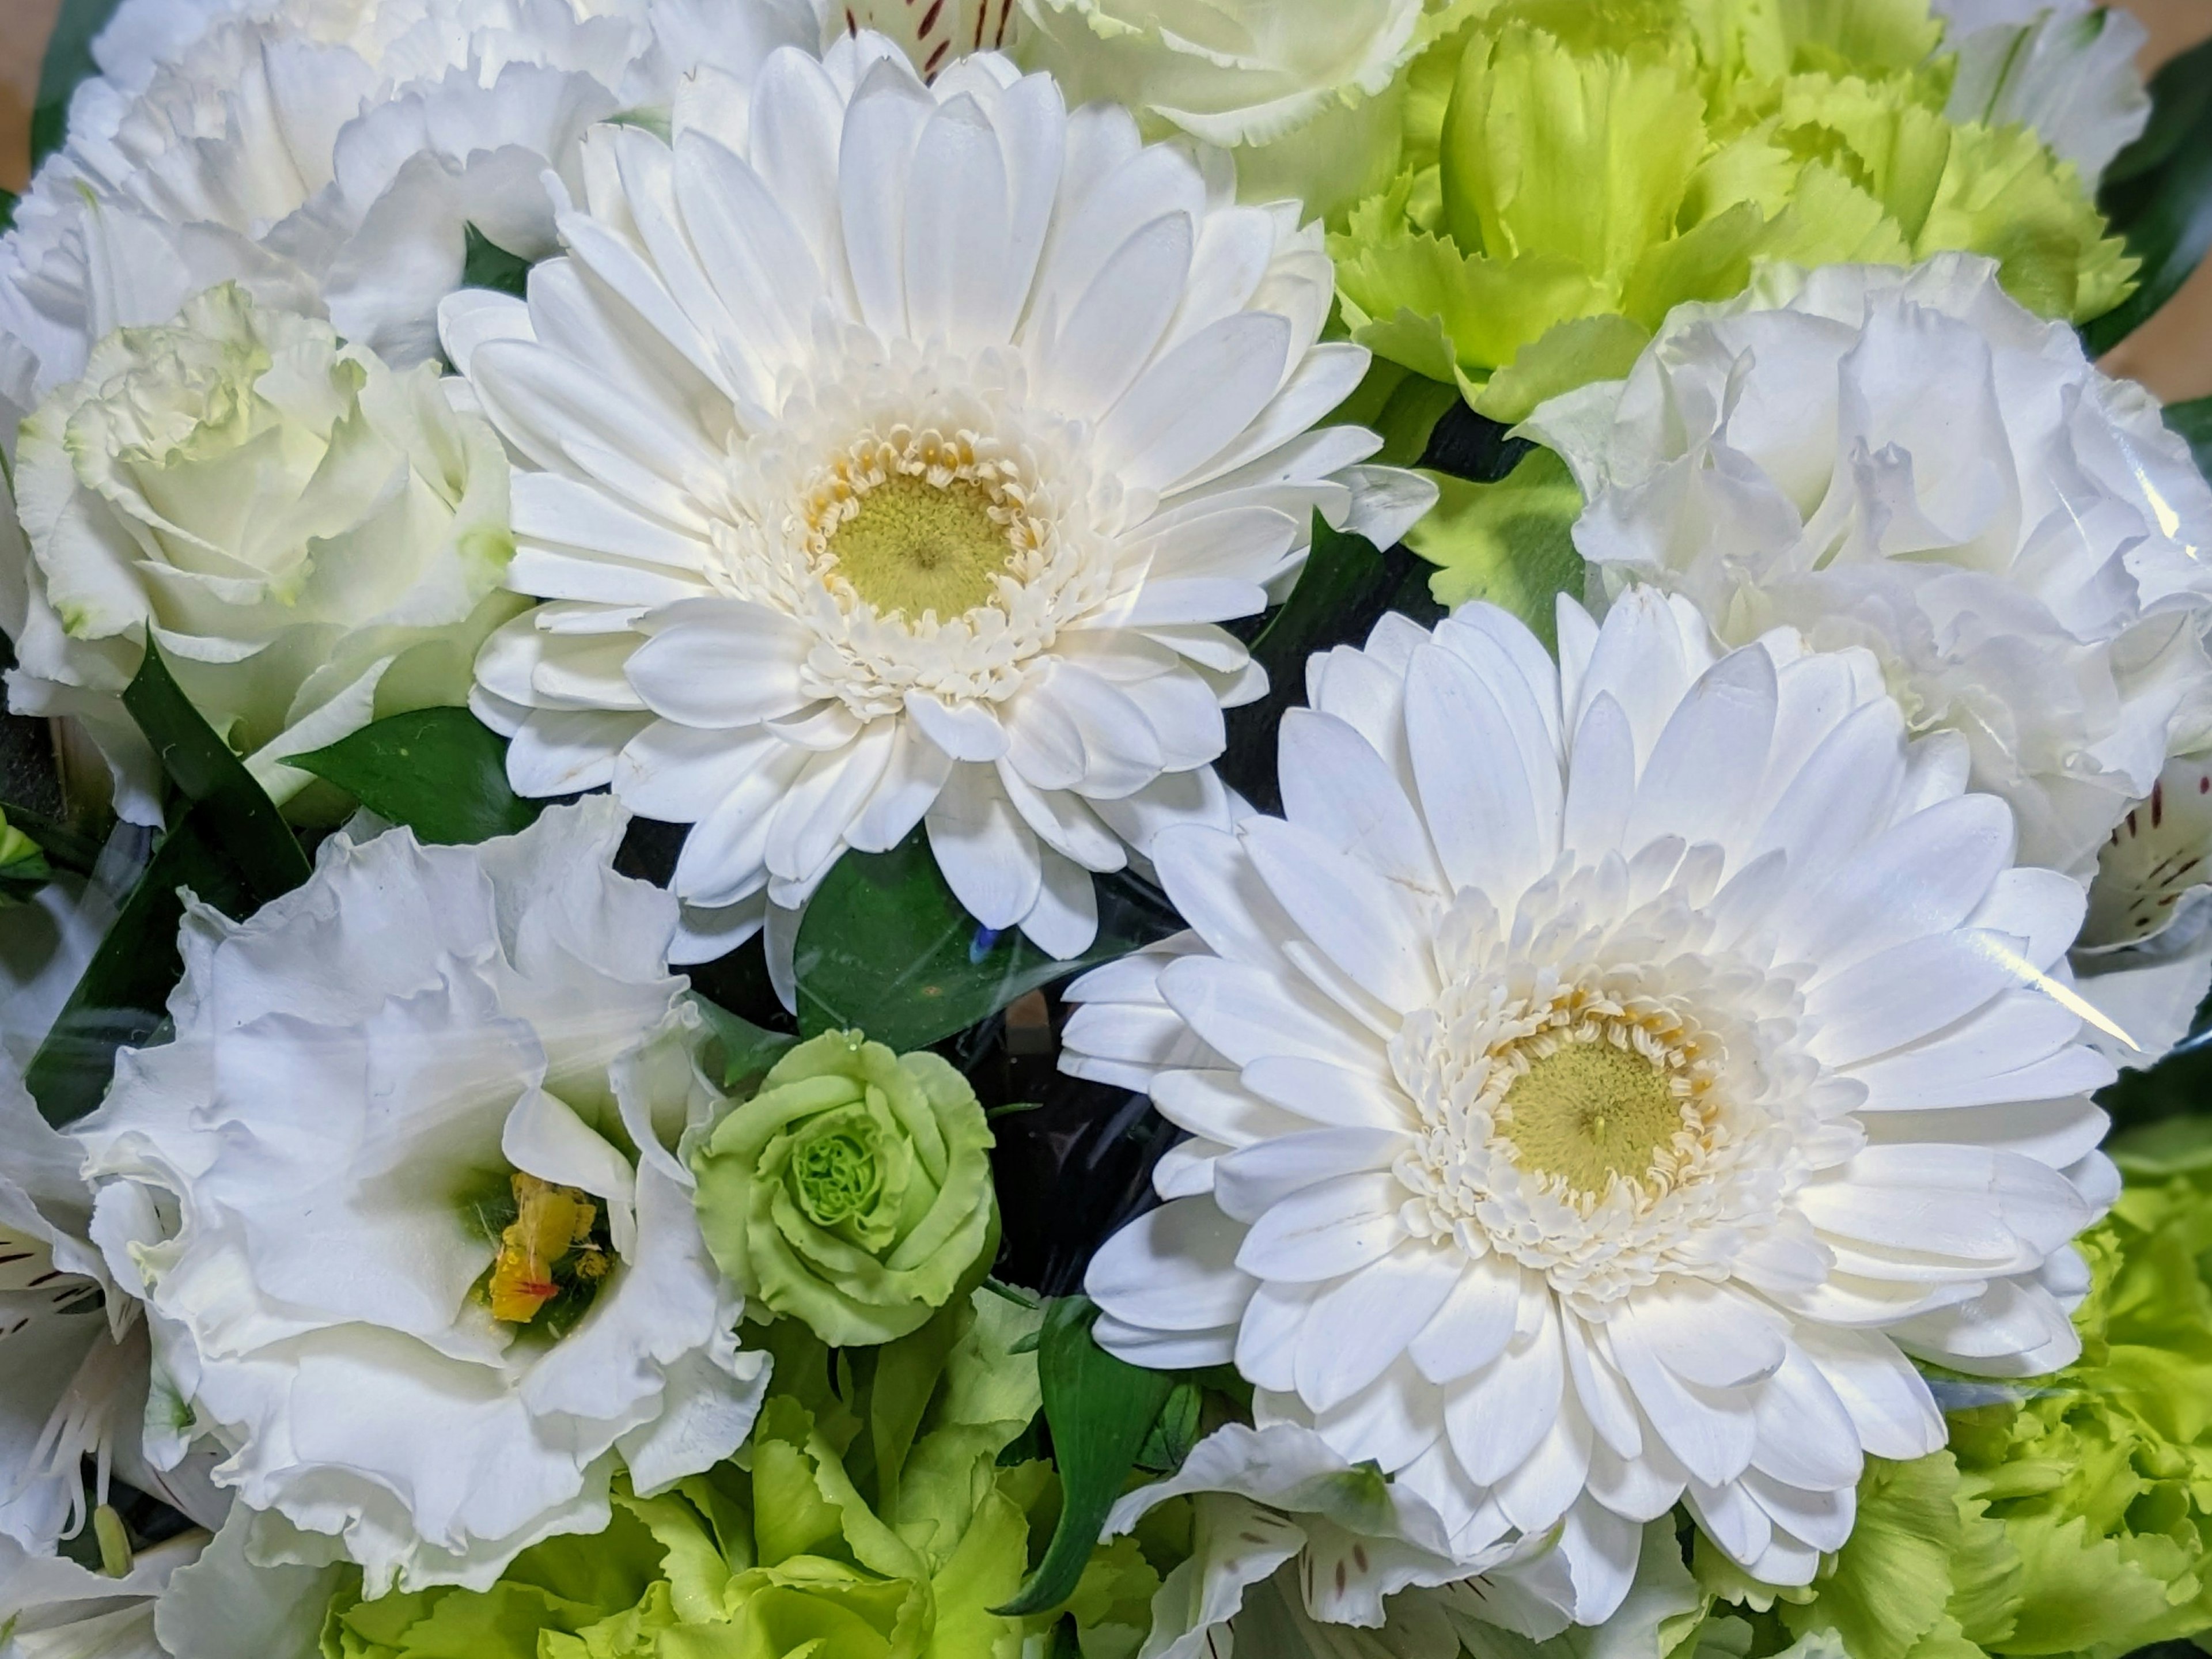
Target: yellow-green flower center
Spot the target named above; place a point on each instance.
(835, 1176)
(1589, 1111)
(913, 546)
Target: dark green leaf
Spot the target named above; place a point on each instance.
(237, 812)
(1510, 543)
(2193, 421)
(64, 848)
(7, 200)
(886, 949)
(1346, 587)
(2158, 194)
(748, 1051)
(120, 998)
(441, 772)
(69, 60)
(1175, 1432)
(490, 265)
(1100, 1411)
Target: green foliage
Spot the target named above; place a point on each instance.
(1102, 1410)
(2193, 421)
(487, 265)
(441, 772)
(2158, 194)
(68, 61)
(120, 1000)
(885, 948)
(747, 1051)
(853, 1192)
(1510, 543)
(237, 809)
(1578, 171)
(23, 867)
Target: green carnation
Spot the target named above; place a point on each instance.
(2071, 1515)
(1580, 167)
(853, 1191)
(882, 1514)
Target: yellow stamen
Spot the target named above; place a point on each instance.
(551, 1222)
(1590, 1111)
(911, 545)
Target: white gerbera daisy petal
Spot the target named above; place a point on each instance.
(1601, 1081)
(928, 429)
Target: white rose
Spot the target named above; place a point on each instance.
(2066, 69)
(314, 539)
(1307, 93)
(403, 1201)
(1907, 460)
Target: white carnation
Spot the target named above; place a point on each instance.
(402, 1202)
(1909, 461)
(330, 154)
(313, 538)
(2066, 69)
(1309, 93)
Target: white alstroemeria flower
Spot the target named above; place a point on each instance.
(402, 1202)
(314, 539)
(73, 1368)
(1309, 95)
(1909, 461)
(330, 154)
(932, 36)
(1604, 1078)
(52, 1608)
(2145, 953)
(2066, 68)
(892, 453)
(1278, 1504)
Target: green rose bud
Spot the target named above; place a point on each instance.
(853, 1191)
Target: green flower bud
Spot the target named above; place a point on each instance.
(853, 1191)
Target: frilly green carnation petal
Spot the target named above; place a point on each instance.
(1576, 170)
(2070, 1515)
(853, 1191)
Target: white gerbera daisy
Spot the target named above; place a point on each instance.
(893, 452)
(1602, 1081)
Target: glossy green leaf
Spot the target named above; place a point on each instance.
(1176, 1430)
(441, 772)
(747, 1050)
(1346, 587)
(2158, 194)
(1510, 543)
(886, 949)
(7, 200)
(490, 265)
(234, 811)
(64, 848)
(1100, 1411)
(2193, 421)
(121, 999)
(69, 60)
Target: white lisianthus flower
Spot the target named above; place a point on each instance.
(1909, 461)
(892, 453)
(1601, 1081)
(313, 538)
(332, 154)
(1278, 1504)
(2066, 68)
(1309, 94)
(403, 1203)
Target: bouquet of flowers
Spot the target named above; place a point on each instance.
(1104, 829)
